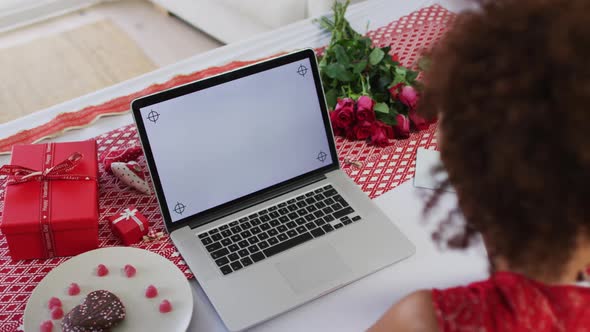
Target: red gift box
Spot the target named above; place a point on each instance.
(130, 226)
(51, 200)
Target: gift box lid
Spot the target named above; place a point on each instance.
(73, 204)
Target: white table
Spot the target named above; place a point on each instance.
(356, 306)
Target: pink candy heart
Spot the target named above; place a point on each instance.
(129, 270)
(151, 292)
(53, 303)
(165, 306)
(57, 313)
(101, 270)
(46, 326)
(74, 289)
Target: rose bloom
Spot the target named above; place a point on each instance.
(342, 118)
(379, 135)
(389, 132)
(419, 122)
(402, 128)
(338, 131)
(395, 90)
(363, 130)
(344, 103)
(344, 113)
(364, 109)
(409, 96)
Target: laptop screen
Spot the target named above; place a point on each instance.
(223, 142)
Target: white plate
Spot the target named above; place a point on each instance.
(142, 313)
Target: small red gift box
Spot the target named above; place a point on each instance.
(130, 226)
(51, 200)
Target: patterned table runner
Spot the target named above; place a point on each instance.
(380, 170)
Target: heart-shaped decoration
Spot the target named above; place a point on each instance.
(120, 156)
(101, 310)
(131, 174)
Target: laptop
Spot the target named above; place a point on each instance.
(247, 176)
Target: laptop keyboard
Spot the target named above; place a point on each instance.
(250, 239)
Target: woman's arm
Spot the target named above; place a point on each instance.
(414, 313)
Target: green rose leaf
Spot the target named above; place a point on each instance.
(354, 96)
(339, 72)
(331, 98)
(386, 118)
(401, 71)
(376, 56)
(363, 43)
(381, 97)
(341, 55)
(400, 76)
(359, 67)
(381, 108)
(397, 80)
(383, 82)
(411, 75)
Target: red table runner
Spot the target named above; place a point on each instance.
(380, 170)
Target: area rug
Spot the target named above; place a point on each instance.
(59, 67)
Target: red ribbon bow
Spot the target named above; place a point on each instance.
(58, 172)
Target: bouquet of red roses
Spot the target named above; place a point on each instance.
(372, 96)
(358, 119)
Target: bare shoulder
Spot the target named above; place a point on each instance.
(414, 313)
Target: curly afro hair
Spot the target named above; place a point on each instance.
(510, 84)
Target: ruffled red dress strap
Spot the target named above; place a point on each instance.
(511, 302)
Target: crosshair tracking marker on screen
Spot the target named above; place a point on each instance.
(179, 208)
(153, 116)
(302, 70)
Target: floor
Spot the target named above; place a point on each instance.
(164, 39)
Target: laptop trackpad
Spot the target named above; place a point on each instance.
(313, 268)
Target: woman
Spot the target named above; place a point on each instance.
(510, 85)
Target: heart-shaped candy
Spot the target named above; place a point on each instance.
(73, 289)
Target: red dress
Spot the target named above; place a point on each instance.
(509, 302)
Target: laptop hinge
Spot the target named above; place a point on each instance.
(256, 200)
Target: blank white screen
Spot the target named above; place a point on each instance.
(225, 142)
